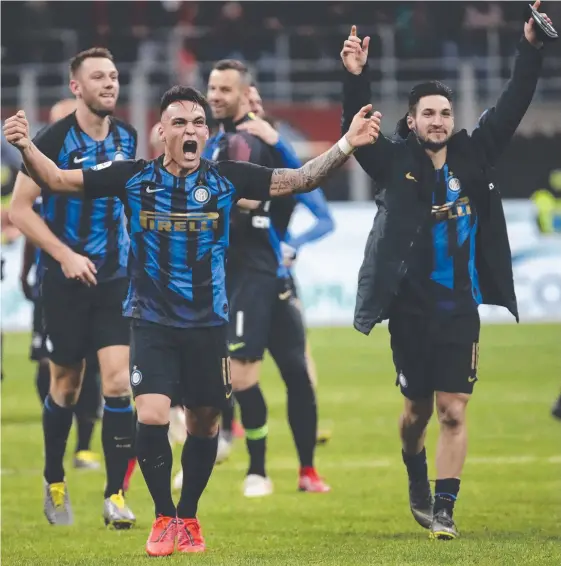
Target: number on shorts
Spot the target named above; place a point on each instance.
(226, 372)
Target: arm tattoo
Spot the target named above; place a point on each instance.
(309, 176)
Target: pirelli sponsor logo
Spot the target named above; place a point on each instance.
(450, 210)
(179, 221)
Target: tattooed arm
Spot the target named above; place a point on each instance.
(362, 131)
(309, 176)
(261, 183)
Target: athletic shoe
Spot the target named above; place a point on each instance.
(443, 527)
(309, 480)
(116, 513)
(189, 536)
(257, 486)
(224, 449)
(161, 540)
(86, 460)
(57, 504)
(177, 482)
(421, 502)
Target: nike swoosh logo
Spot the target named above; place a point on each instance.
(410, 177)
(285, 295)
(149, 190)
(236, 346)
(472, 379)
(228, 395)
(80, 159)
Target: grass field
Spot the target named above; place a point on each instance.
(509, 510)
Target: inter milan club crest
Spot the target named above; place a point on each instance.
(201, 194)
(454, 184)
(136, 376)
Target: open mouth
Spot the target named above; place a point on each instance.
(190, 146)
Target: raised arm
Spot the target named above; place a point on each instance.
(496, 128)
(40, 168)
(374, 159)
(362, 131)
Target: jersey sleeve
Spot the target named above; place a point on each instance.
(49, 141)
(250, 181)
(109, 179)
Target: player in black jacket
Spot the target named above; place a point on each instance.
(437, 250)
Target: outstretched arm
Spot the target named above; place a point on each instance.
(40, 168)
(497, 126)
(362, 131)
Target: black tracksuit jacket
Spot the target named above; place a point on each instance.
(404, 204)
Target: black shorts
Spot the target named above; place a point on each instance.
(38, 350)
(257, 303)
(190, 364)
(435, 354)
(79, 318)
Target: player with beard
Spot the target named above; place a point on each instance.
(83, 278)
(438, 249)
(87, 407)
(179, 215)
(262, 316)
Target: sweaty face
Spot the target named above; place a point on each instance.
(255, 102)
(433, 121)
(96, 82)
(184, 132)
(226, 93)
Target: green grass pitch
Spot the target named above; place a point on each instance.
(508, 512)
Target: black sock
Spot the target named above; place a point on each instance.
(446, 493)
(197, 460)
(227, 421)
(43, 380)
(57, 421)
(155, 459)
(84, 432)
(416, 464)
(117, 439)
(302, 414)
(254, 419)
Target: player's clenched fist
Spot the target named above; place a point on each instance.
(16, 130)
(363, 130)
(355, 52)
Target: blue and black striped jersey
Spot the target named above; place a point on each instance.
(179, 229)
(443, 272)
(94, 229)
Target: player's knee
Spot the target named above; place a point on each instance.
(65, 385)
(116, 383)
(244, 374)
(451, 415)
(203, 421)
(419, 412)
(153, 409)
